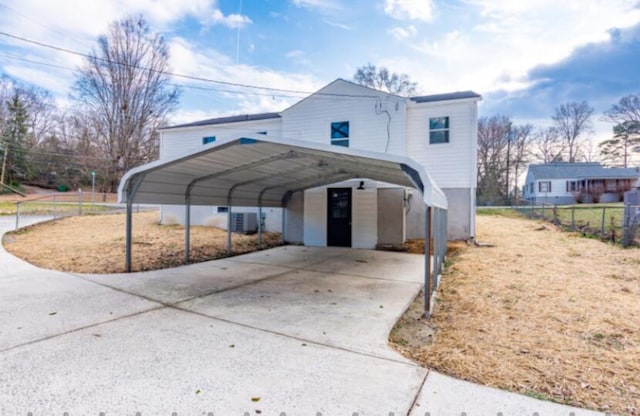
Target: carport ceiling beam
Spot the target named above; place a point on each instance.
(335, 176)
(372, 168)
(247, 166)
(257, 180)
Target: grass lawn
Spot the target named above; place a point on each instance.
(584, 217)
(49, 208)
(540, 311)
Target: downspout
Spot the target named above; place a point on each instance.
(473, 144)
(427, 263)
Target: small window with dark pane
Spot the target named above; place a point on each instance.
(340, 133)
(223, 209)
(438, 130)
(208, 139)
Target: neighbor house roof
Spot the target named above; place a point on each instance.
(229, 119)
(592, 170)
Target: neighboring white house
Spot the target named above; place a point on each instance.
(437, 131)
(568, 183)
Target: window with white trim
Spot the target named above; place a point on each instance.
(544, 186)
(438, 130)
(340, 133)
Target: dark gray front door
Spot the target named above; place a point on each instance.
(339, 217)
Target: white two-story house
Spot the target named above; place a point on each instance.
(437, 131)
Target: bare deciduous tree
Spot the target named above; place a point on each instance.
(521, 138)
(125, 87)
(627, 109)
(493, 137)
(572, 121)
(381, 79)
(547, 146)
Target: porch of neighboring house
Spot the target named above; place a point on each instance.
(594, 190)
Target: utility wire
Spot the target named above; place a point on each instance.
(177, 75)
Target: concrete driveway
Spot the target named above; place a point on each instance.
(293, 330)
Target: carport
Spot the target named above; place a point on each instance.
(266, 172)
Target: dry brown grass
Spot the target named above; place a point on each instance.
(96, 244)
(543, 312)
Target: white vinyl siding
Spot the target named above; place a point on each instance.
(181, 141)
(365, 217)
(315, 217)
(451, 165)
(367, 111)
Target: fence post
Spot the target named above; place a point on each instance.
(17, 214)
(604, 209)
(573, 217)
(79, 201)
(55, 207)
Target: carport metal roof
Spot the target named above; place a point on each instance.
(261, 171)
(266, 172)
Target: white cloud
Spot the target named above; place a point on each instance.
(410, 9)
(324, 5)
(401, 33)
(294, 53)
(509, 39)
(233, 21)
(338, 25)
(188, 59)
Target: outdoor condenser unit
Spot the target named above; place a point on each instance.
(244, 222)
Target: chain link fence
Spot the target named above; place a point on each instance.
(58, 205)
(631, 220)
(610, 223)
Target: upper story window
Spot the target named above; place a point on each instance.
(208, 139)
(544, 186)
(340, 133)
(263, 133)
(438, 130)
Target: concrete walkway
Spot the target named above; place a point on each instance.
(298, 330)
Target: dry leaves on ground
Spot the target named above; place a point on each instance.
(543, 312)
(96, 244)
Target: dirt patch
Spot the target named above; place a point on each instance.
(96, 244)
(543, 312)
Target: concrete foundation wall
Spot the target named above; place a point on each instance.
(294, 231)
(459, 218)
(391, 218)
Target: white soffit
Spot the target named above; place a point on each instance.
(266, 171)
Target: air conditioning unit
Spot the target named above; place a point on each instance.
(244, 222)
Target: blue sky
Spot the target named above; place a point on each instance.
(526, 57)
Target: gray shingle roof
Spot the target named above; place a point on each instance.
(230, 119)
(459, 95)
(581, 171)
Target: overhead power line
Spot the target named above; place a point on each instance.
(183, 76)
